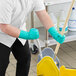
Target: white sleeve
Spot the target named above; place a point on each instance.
(39, 5)
(5, 11)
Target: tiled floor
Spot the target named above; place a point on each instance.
(67, 56)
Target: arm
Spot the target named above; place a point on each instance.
(45, 19)
(48, 24)
(10, 30)
(15, 32)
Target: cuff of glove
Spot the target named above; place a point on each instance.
(23, 34)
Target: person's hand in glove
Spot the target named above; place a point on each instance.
(31, 35)
(58, 37)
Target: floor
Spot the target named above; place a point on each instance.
(67, 56)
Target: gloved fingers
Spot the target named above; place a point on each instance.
(61, 40)
(33, 34)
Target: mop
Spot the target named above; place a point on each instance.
(47, 65)
(63, 30)
(65, 71)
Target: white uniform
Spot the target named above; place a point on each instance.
(15, 12)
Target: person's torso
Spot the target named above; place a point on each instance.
(21, 9)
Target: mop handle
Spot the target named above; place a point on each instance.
(63, 30)
(39, 48)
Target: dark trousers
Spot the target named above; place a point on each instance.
(21, 54)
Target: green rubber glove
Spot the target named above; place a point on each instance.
(58, 37)
(31, 35)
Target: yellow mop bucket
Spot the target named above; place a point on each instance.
(67, 72)
(47, 67)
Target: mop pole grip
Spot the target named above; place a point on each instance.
(63, 30)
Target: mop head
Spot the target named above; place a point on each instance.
(47, 67)
(49, 52)
(67, 72)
